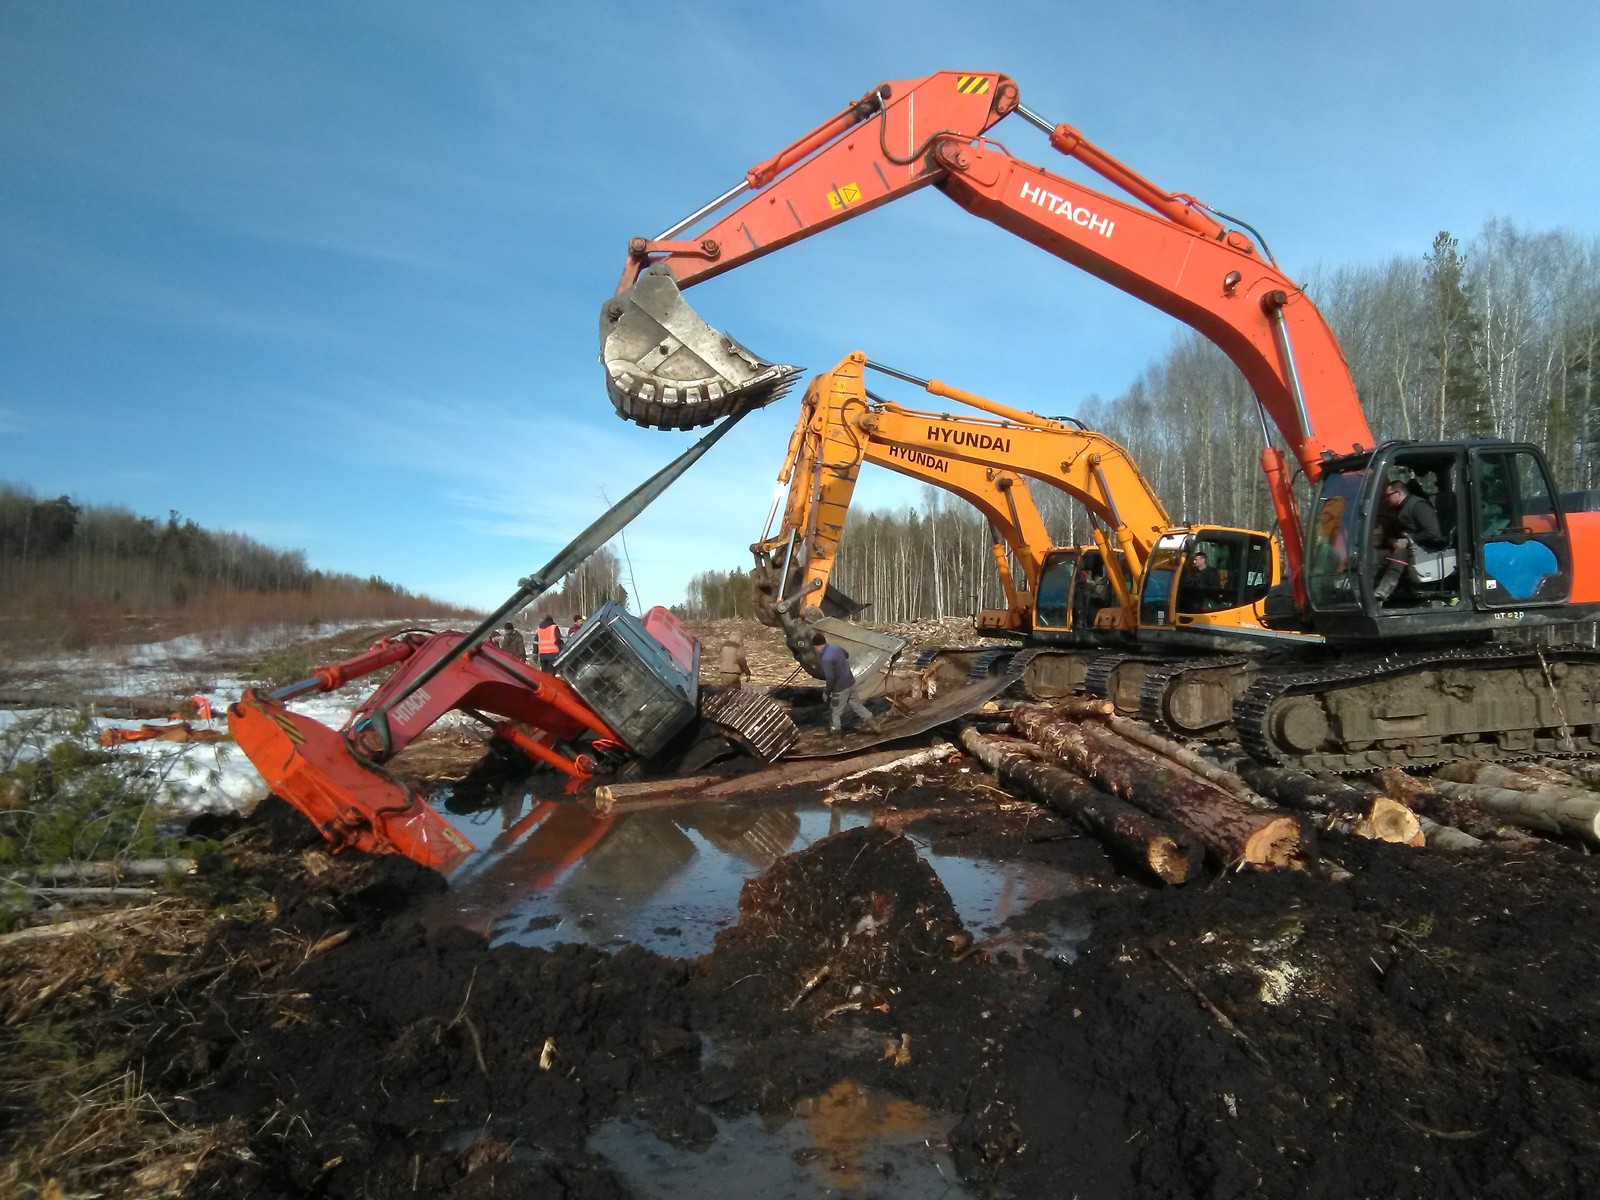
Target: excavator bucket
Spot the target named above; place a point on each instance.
(355, 805)
(667, 369)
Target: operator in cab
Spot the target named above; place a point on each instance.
(1405, 521)
(1201, 587)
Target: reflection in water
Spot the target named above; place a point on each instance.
(550, 871)
(848, 1141)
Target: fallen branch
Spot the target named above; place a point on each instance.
(90, 895)
(89, 872)
(1129, 832)
(1222, 1018)
(674, 793)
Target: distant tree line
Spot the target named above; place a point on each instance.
(77, 574)
(1500, 337)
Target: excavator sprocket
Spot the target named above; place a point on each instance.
(666, 368)
(1481, 704)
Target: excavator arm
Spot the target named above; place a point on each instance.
(1172, 252)
(824, 459)
(985, 461)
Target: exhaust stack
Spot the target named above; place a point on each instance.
(667, 369)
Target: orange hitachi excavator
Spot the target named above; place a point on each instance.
(1422, 672)
(1170, 605)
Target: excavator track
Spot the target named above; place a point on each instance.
(753, 719)
(957, 666)
(1194, 697)
(1109, 678)
(1484, 704)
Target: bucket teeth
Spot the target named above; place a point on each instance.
(667, 369)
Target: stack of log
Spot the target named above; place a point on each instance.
(1160, 806)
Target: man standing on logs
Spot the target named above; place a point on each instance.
(840, 684)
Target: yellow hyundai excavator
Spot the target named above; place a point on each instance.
(1177, 588)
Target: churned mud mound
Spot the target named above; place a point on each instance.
(1425, 1028)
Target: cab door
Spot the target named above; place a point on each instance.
(1521, 556)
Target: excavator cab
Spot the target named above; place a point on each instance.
(1073, 590)
(1204, 588)
(1434, 538)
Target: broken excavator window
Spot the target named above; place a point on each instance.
(1330, 562)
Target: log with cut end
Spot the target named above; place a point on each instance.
(1232, 833)
(1425, 797)
(1132, 834)
(1346, 810)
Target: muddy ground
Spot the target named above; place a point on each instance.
(1424, 1027)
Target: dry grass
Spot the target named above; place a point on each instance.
(78, 1119)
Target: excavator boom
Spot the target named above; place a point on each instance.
(1166, 249)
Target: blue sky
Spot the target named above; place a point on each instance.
(330, 274)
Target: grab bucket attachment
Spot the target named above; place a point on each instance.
(667, 369)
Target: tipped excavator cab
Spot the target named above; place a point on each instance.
(1434, 538)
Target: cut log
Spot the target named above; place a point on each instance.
(1423, 797)
(1447, 837)
(1514, 779)
(1232, 833)
(1346, 810)
(1151, 845)
(1183, 756)
(1078, 708)
(674, 793)
(1572, 816)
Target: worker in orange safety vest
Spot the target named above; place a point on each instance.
(548, 642)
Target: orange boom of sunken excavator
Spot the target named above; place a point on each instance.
(622, 688)
(1415, 674)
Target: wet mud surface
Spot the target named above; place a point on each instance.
(1425, 1027)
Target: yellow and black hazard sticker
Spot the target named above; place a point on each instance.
(972, 85)
(289, 729)
(844, 197)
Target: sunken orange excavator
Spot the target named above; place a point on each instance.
(1416, 666)
(622, 690)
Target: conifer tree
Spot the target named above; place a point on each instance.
(1454, 343)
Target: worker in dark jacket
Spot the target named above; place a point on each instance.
(511, 642)
(840, 684)
(548, 642)
(1406, 521)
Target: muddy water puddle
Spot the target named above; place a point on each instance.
(550, 872)
(848, 1141)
